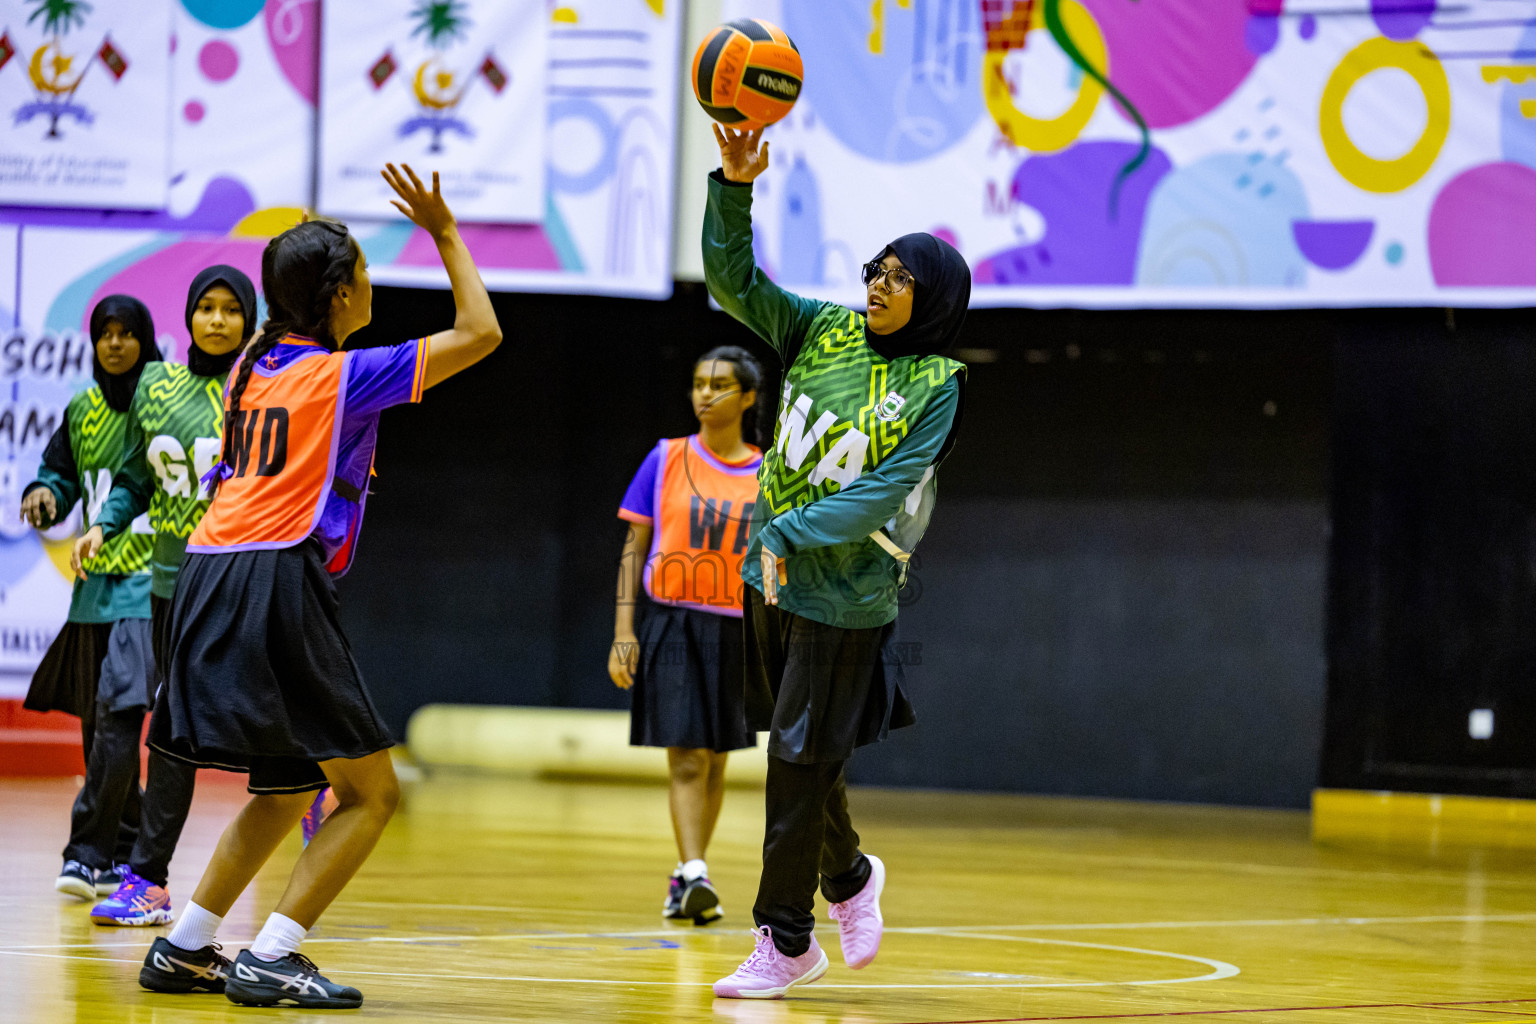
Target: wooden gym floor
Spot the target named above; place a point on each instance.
(495, 899)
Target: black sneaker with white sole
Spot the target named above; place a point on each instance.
(76, 880)
(170, 968)
(700, 901)
(292, 981)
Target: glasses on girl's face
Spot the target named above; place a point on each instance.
(896, 278)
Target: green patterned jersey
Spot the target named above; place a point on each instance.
(96, 437)
(172, 440)
(857, 441)
(843, 410)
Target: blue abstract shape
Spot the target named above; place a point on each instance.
(801, 259)
(1401, 20)
(603, 167)
(1333, 244)
(1517, 133)
(223, 14)
(19, 555)
(1261, 33)
(1203, 229)
(914, 99)
(222, 205)
(1084, 242)
(1394, 253)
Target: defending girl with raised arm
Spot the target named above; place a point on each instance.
(261, 678)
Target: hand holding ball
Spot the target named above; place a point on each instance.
(747, 74)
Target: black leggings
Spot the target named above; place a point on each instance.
(113, 822)
(809, 835)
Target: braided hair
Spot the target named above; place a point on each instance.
(301, 271)
(749, 377)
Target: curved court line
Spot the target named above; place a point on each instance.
(1220, 969)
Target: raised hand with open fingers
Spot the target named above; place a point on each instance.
(741, 156)
(425, 207)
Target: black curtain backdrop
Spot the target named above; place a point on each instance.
(1432, 588)
(1122, 592)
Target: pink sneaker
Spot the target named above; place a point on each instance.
(859, 923)
(768, 974)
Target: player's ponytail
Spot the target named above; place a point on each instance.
(301, 271)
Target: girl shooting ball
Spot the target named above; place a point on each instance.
(868, 410)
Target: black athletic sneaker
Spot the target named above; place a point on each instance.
(292, 981)
(700, 901)
(672, 909)
(76, 880)
(170, 968)
(107, 881)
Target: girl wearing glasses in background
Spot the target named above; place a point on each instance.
(690, 510)
(869, 408)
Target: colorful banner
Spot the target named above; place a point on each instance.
(84, 119)
(1131, 153)
(457, 87)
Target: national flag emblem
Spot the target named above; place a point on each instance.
(493, 73)
(382, 69)
(7, 48)
(113, 58)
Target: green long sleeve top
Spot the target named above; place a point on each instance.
(836, 573)
(170, 439)
(101, 597)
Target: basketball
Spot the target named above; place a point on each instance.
(747, 73)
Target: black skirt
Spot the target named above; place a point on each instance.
(688, 690)
(70, 672)
(260, 669)
(820, 691)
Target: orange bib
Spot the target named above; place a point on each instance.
(282, 457)
(703, 509)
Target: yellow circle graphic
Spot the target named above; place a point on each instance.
(1048, 135)
(1367, 172)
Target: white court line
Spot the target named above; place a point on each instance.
(1219, 970)
(915, 930)
(467, 908)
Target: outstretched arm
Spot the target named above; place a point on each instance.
(779, 317)
(475, 332)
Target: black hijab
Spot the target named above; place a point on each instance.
(134, 316)
(203, 363)
(939, 303)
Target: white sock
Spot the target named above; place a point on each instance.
(195, 928)
(677, 872)
(279, 937)
(695, 868)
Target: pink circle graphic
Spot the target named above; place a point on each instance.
(1176, 59)
(1481, 226)
(293, 30)
(193, 111)
(218, 61)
